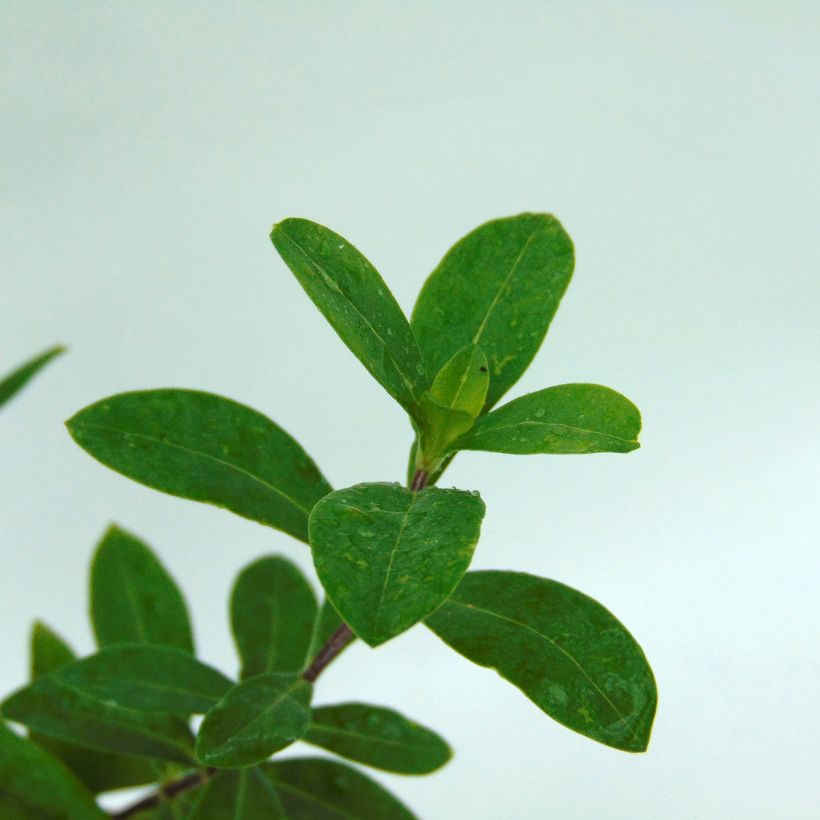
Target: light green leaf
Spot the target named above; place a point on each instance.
(98, 771)
(498, 288)
(387, 557)
(273, 611)
(205, 448)
(50, 707)
(312, 788)
(133, 597)
(567, 654)
(378, 737)
(256, 718)
(352, 296)
(327, 622)
(243, 794)
(147, 678)
(569, 418)
(36, 786)
(19, 378)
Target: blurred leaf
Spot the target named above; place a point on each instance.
(17, 379)
(273, 611)
(569, 418)
(206, 448)
(499, 288)
(50, 707)
(312, 788)
(352, 296)
(242, 794)
(256, 718)
(387, 557)
(327, 622)
(378, 737)
(147, 678)
(36, 786)
(48, 651)
(567, 654)
(133, 597)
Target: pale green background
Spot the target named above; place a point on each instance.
(146, 148)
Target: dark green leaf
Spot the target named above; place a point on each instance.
(570, 418)
(147, 678)
(36, 786)
(327, 622)
(17, 379)
(378, 737)
(273, 611)
(133, 598)
(244, 794)
(206, 448)
(312, 788)
(387, 557)
(50, 707)
(566, 653)
(256, 718)
(352, 296)
(499, 288)
(99, 771)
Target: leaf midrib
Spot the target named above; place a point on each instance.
(482, 430)
(422, 746)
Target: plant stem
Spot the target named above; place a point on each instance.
(419, 481)
(335, 644)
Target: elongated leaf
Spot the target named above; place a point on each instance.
(273, 611)
(567, 654)
(327, 622)
(36, 786)
(50, 707)
(312, 788)
(378, 737)
(256, 718)
(244, 794)
(498, 288)
(19, 378)
(387, 557)
(206, 448)
(352, 296)
(133, 597)
(98, 771)
(147, 678)
(570, 418)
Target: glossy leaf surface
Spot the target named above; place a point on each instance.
(273, 612)
(569, 418)
(378, 737)
(312, 788)
(15, 381)
(206, 448)
(387, 557)
(244, 794)
(566, 653)
(133, 597)
(36, 786)
(256, 718)
(498, 287)
(353, 297)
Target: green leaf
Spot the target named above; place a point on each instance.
(133, 597)
(147, 678)
(98, 771)
(387, 557)
(352, 296)
(244, 794)
(50, 707)
(256, 718)
(327, 622)
(205, 448)
(17, 379)
(499, 288)
(569, 418)
(567, 654)
(36, 786)
(378, 737)
(312, 788)
(273, 611)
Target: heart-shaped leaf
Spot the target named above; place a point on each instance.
(387, 557)
(566, 653)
